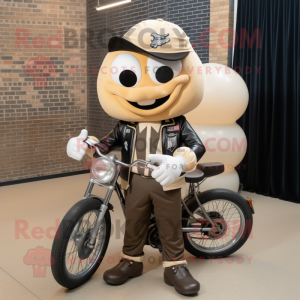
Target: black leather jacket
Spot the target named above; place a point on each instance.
(123, 135)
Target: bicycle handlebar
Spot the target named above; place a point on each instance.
(93, 144)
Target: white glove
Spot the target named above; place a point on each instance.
(170, 169)
(76, 148)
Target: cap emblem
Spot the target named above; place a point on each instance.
(159, 39)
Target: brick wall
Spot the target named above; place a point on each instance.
(221, 18)
(192, 15)
(38, 114)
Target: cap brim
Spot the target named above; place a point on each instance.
(118, 44)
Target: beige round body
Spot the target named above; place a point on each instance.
(214, 120)
(226, 97)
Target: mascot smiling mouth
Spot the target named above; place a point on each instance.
(150, 104)
(139, 100)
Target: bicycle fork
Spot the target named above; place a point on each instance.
(103, 207)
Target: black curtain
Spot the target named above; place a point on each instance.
(272, 119)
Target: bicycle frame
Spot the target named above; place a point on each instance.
(114, 186)
(87, 238)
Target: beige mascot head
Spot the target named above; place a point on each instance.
(150, 74)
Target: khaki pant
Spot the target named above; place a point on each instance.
(140, 198)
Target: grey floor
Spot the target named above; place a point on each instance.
(266, 267)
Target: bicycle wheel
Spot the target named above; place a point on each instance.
(232, 219)
(73, 262)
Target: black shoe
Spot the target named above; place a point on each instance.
(182, 280)
(122, 271)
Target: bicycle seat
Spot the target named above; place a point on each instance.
(211, 169)
(194, 176)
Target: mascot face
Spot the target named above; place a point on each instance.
(139, 87)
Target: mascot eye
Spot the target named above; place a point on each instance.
(126, 70)
(163, 71)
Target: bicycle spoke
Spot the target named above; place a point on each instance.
(75, 265)
(227, 211)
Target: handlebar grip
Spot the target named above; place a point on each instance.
(90, 142)
(150, 165)
(99, 147)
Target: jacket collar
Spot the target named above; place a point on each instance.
(163, 122)
(167, 122)
(133, 124)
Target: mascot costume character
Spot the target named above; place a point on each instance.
(148, 80)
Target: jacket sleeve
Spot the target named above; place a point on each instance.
(194, 148)
(112, 140)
